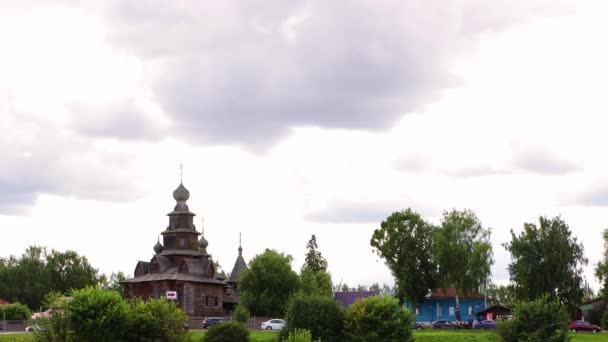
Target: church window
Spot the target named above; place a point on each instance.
(470, 310)
(181, 242)
(439, 310)
(451, 311)
(206, 300)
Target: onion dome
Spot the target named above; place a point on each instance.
(158, 247)
(181, 194)
(203, 243)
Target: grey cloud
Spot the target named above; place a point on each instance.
(364, 211)
(122, 118)
(538, 159)
(592, 195)
(230, 74)
(41, 158)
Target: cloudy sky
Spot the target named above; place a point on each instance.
(295, 118)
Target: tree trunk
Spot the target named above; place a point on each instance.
(457, 307)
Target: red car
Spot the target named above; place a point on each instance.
(583, 326)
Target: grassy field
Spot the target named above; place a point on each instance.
(421, 336)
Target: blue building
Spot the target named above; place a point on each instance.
(441, 305)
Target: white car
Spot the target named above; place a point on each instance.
(273, 324)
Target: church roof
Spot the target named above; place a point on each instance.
(173, 274)
(231, 296)
(239, 267)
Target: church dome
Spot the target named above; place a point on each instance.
(181, 194)
(158, 247)
(203, 243)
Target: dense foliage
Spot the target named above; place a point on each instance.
(241, 314)
(502, 294)
(28, 278)
(227, 332)
(463, 252)
(94, 314)
(14, 311)
(604, 321)
(97, 315)
(318, 283)
(300, 335)
(546, 259)
(313, 260)
(156, 320)
(405, 242)
(378, 319)
(541, 320)
(322, 315)
(268, 283)
(601, 268)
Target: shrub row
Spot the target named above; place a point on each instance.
(370, 319)
(94, 314)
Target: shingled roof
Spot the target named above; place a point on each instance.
(239, 267)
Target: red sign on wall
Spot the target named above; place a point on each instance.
(171, 295)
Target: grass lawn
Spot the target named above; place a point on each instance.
(421, 336)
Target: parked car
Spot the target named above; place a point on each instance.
(209, 321)
(273, 324)
(583, 326)
(417, 326)
(443, 324)
(486, 325)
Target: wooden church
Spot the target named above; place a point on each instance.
(181, 264)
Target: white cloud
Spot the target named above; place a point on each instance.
(504, 116)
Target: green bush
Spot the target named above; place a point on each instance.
(241, 314)
(97, 315)
(322, 315)
(54, 326)
(605, 320)
(299, 335)
(542, 320)
(378, 319)
(227, 332)
(156, 320)
(15, 311)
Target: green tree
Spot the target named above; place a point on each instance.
(501, 294)
(28, 278)
(97, 315)
(314, 261)
(227, 332)
(378, 319)
(601, 268)
(156, 320)
(268, 283)
(463, 252)
(546, 259)
(323, 316)
(14, 311)
(375, 287)
(318, 283)
(112, 282)
(241, 314)
(541, 320)
(68, 270)
(405, 242)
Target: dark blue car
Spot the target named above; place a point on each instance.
(486, 325)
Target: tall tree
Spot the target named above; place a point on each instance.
(601, 268)
(405, 242)
(28, 278)
(314, 261)
(464, 253)
(68, 271)
(268, 283)
(502, 294)
(546, 259)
